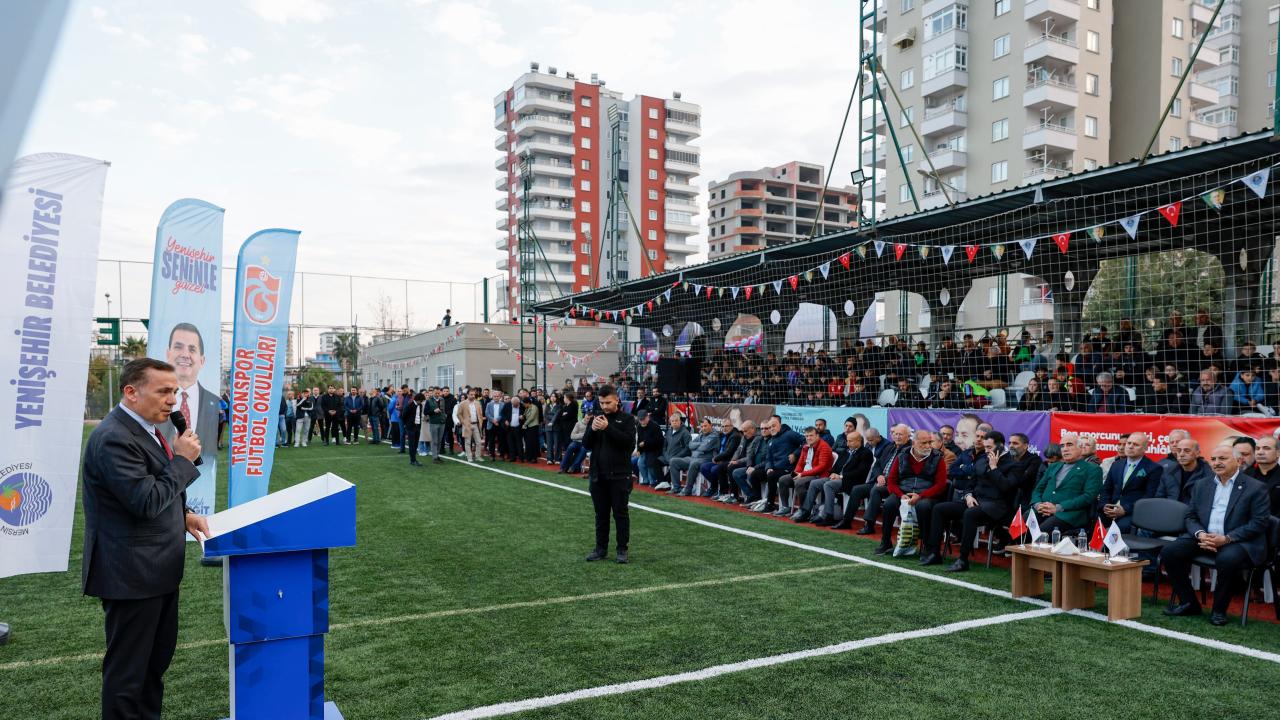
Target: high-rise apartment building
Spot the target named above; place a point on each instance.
(560, 128)
(1008, 92)
(775, 205)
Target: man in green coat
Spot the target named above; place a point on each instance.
(1067, 490)
(531, 423)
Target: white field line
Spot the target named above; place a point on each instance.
(371, 622)
(1143, 627)
(509, 708)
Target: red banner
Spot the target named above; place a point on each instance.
(1110, 430)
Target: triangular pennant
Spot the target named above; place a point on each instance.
(793, 281)
(667, 295)
(1028, 246)
(862, 251)
(1063, 241)
(720, 292)
(747, 290)
(686, 286)
(1097, 233)
(997, 250)
(708, 292)
(971, 251)
(844, 260)
(825, 269)
(898, 250)
(777, 286)
(946, 253)
(1257, 182)
(924, 251)
(1130, 225)
(735, 293)
(1214, 198)
(1171, 212)
(649, 306)
(573, 312)
(808, 276)
(879, 247)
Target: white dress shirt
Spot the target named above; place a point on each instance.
(1221, 497)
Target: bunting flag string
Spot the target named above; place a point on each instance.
(1215, 198)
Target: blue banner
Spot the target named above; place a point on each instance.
(264, 288)
(799, 417)
(185, 329)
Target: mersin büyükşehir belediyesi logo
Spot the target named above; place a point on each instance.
(24, 498)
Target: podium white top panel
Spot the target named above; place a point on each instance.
(278, 502)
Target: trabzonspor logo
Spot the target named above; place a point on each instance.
(261, 294)
(24, 498)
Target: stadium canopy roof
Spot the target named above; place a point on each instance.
(1060, 205)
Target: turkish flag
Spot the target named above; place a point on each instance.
(844, 260)
(1063, 241)
(649, 306)
(1171, 212)
(794, 280)
(1095, 542)
(747, 290)
(971, 251)
(1017, 527)
(898, 250)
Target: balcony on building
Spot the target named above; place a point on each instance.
(877, 118)
(1039, 168)
(503, 264)
(944, 118)
(501, 243)
(685, 123)
(501, 162)
(536, 99)
(503, 223)
(877, 159)
(679, 247)
(673, 165)
(944, 160)
(545, 145)
(1208, 59)
(1035, 310)
(1048, 92)
(749, 190)
(1201, 16)
(555, 251)
(1049, 135)
(679, 186)
(555, 191)
(559, 235)
(880, 20)
(682, 227)
(1202, 95)
(935, 198)
(1058, 12)
(503, 183)
(503, 203)
(501, 143)
(551, 210)
(943, 82)
(1205, 132)
(527, 125)
(554, 167)
(1051, 46)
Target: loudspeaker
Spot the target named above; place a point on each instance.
(679, 375)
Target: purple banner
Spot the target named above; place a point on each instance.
(1035, 425)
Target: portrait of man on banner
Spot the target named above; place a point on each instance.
(197, 403)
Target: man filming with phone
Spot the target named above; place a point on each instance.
(610, 437)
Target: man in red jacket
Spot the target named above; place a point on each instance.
(814, 463)
(918, 477)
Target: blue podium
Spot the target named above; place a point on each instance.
(275, 555)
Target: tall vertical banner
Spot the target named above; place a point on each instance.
(185, 329)
(50, 227)
(264, 288)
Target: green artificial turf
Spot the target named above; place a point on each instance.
(420, 628)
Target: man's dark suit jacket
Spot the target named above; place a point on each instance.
(134, 517)
(1248, 513)
(1143, 483)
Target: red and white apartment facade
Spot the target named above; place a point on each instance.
(561, 126)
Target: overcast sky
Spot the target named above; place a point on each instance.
(368, 124)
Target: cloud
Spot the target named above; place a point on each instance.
(100, 15)
(193, 49)
(97, 106)
(170, 135)
(285, 11)
(476, 29)
(242, 104)
(237, 55)
(199, 112)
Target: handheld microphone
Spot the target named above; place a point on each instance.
(180, 424)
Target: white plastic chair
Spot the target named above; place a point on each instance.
(996, 400)
(888, 396)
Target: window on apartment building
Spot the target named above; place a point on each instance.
(586, 101)
(1000, 130)
(1175, 66)
(1092, 41)
(908, 152)
(586, 186)
(1271, 49)
(1093, 4)
(653, 113)
(907, 79)
(586, 143)
(907, 6)
(653, 234)
(653, 153)
(1175, 108)
(904, 193)
(1090, 126)
(1175, 143)
(584, 248)
(721, 212)
(586, 206)
(653, 133)
(908, 115)
(653, 214)
(1176, 28)
(1090, 164)
(1002, 7)
(1001, 46)
(944, 21)
(653, 254)
(1273, 14)
(1000, 88)
(586, 165)
(653, 194)
(1091, 84)
(584, 270)
(586, 228)
(955, 57)
(653, 174)
(1271, 79)
(999, 171)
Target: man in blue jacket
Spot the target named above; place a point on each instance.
(1132, 477)
(780, 452)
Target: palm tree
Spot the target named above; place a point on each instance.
(346, 348)
(133, 347)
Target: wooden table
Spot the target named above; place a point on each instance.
(1075, 580)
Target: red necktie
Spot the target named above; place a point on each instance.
(186, 410)
(168, 451)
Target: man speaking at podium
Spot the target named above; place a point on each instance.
(135, 517)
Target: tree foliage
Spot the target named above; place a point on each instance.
(1176, 280)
